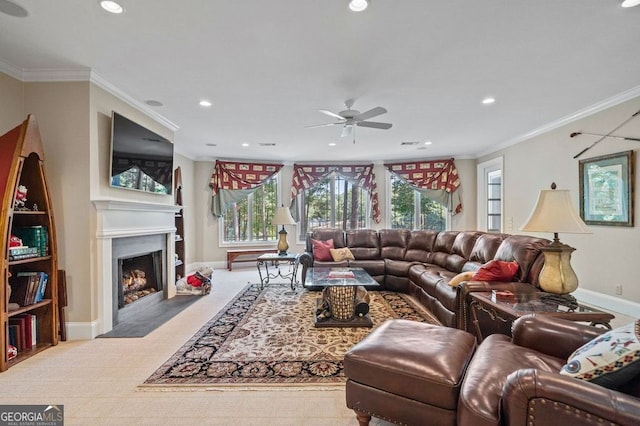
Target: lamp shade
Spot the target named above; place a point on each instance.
(283, 217)
(554, 212)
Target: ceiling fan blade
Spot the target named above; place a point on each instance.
(331, 114)
(374, 124)
(323, 125)
(346, 130)
(374, 112)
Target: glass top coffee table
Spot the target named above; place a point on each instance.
(343, 290)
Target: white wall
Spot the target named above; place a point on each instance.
(605, 258)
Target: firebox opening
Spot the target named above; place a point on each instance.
(138, 277)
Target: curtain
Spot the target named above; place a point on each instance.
(307, 176)
(436, 179)
(234, 181)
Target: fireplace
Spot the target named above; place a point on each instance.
(129, 229)
(139, 277)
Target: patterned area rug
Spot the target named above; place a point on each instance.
(268, 338)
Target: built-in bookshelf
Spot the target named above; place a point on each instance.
(28, 259)
(179, 244)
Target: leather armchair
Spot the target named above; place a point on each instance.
(516, 381)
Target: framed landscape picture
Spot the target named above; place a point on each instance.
(606, 189)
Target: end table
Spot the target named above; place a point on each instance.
(491, 316)
(275, 260)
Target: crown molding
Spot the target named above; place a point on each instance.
(578, 115)
(82, 74)
(10, 70)
(56, 74)
(104, 84)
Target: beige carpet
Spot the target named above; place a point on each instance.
(268, 338)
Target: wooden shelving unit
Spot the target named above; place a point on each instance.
(21, 163)
(179, 244)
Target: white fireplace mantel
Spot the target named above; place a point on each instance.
(119, 219)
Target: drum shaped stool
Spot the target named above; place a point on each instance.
(408, 372)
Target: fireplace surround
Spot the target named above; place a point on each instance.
(144, 228)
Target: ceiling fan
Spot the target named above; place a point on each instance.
(351, 117)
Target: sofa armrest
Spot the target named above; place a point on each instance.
(535, 397)
(552, 336)
(306, 260)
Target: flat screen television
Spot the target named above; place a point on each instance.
(140, 159)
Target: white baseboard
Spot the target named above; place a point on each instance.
(82, 330)
(606, 302)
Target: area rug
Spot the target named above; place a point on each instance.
(268, 338)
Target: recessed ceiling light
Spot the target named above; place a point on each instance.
(630, 3)
(488, 100)
(111, 6)
(12, 9)
(358, 5)
(205, 103)
(154, 103)
(428, 142)
(332, 144)
(245, 144)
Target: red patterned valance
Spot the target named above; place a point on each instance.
(432, 175)
(306, 176)
(235, 175)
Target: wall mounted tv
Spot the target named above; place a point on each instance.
(140, 159)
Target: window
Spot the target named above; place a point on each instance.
(249, 220)
(410, 210)
(333, 203)
(490, 190)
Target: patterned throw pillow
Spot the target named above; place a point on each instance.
(321, 250)
(496, 270)
(609, 360)
(341, 254)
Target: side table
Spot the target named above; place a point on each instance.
(275, 261)
(489, 315)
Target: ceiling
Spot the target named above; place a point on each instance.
(269, 66)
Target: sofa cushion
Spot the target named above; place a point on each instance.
(393, 243)
(524, 249)
(420, 246)
(496, 270)
(325, 234)
(321, 249)
(609, 360)
(363, 243)
(341, 254)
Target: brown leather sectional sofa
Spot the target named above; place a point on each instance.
(422, 263)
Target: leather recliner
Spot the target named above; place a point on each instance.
(508, 381)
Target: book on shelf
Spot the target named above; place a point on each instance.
(24, 330)
(34, 236)
(28, 288)
(22, 252)
(341, 274)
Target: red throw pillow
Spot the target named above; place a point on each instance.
(496, 270)
(321, 249)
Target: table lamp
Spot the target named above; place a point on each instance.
(554, 212)
(283, 217)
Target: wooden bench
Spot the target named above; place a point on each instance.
(254, 253)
